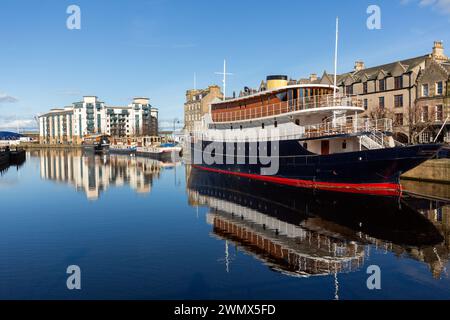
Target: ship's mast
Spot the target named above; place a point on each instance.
(335, 69)
(224, 81)
(336, 57)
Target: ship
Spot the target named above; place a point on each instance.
(304, 135)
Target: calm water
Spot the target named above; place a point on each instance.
(140, 229)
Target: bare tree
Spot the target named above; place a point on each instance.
(420, 122)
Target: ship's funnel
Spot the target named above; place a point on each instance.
(274, 82)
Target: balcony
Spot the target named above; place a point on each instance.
(302, 104)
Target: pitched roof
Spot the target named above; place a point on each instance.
(372, 73)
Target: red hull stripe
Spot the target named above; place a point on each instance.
(386, 189)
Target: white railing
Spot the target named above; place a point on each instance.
(348, 125)
(274, 109)
(341, 126)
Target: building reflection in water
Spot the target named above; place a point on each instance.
(307, 233)
(93, 174)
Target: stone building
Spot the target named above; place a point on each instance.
(91, 116)
(432, 112)
(197, 104)
(391, 90)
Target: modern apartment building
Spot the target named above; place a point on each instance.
(92, 116)
(197, 104)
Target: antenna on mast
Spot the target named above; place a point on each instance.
(336, 58)
(224, 81)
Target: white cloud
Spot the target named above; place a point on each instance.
(442, 6)
(4, 98)
(12, 125)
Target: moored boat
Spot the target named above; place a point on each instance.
(4, 157)
(307, 136)
(122, 149)
(153, 148)
(96, 143)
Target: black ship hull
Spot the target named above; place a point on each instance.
(369, 171)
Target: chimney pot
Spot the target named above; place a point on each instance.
(438, 51)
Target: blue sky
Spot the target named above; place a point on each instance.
(153, 47)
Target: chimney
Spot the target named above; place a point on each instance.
(438, 51)
(313, 77)
(359, 65)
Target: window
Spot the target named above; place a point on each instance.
(425, 90)
(365, 88)
(382, 84)
(381, 102)
(399, 119)
(439, 88)
(262, 126)
(398, 101)
(344, 145)
(366, 104)
(424, 114)
(439, 114)
(398, 82)
(276, 124)
(424, 137)
(349, 90)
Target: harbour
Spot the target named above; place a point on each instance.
(225, 159)
(233, 237)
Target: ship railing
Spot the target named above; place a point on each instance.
(340, 126)
(349, 125)
(289, 106)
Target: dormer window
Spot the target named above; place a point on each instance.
(398, 82)
(349, 90)
(425, 90)
(382, 85)
(439, 88)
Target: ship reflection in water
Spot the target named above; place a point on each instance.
(94, 174)
(306, 233)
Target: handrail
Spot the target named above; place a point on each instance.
(331, 128)
(294, 105)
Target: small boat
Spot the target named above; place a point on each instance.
(17, 156)
(122, 149)
(162, 152)
(97, 143)
(4, 157)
